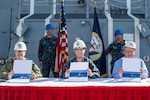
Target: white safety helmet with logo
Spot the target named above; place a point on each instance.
(130, 44)
(79, 44)
(20, 46)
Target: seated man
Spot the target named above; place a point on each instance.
(129, 52)
(20, 52)
(79, 50)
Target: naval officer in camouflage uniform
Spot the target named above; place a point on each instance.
(47, 52)
(79, 50)
(20, 52)
(116, 48)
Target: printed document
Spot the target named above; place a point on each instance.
(78, 71)
(22, 71)
(131, 69)
(79, 65)
(131, 64)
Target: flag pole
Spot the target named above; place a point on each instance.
(94, 5)
(62, 1)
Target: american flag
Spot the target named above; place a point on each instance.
(62, 42)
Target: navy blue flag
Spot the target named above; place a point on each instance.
(96, 52)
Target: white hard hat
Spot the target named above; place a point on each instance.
(20, 46)
(79, 44)
(130, 44)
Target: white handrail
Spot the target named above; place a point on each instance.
(19, 28)
(136, 32)
(110, 32)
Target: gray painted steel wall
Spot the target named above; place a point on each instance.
(74, 16)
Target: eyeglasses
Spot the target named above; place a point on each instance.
(80, 49)
(21, 51)
(129, 51)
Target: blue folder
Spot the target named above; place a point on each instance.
(131, 74)
(78, 76)
(21, 76)
(78, 73)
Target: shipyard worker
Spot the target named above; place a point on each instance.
(129, 52)
(116, 47)
(20, 52)
(47, 52)
(79, 50)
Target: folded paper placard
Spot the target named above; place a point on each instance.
(22, 71)
(78, 71)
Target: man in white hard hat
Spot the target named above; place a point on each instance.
(79, 50)
(20, 52)
(129, 52)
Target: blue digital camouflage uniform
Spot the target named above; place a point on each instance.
(116, 49)
(92, 66)
(8, 66)
(47, 53)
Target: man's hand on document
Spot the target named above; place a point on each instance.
(10, 74)
(120, 72)
(89, 72)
